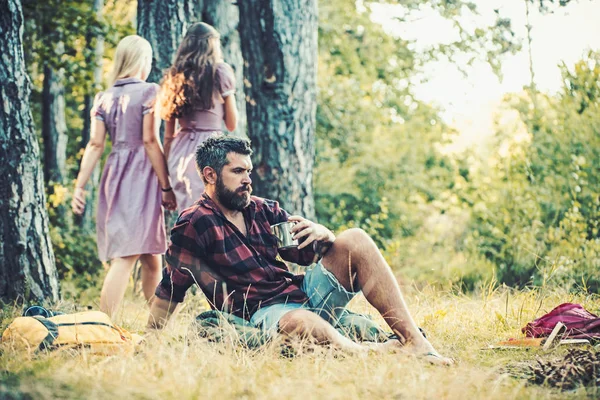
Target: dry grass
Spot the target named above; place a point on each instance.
(177, 365)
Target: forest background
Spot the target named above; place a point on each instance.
(521, 208)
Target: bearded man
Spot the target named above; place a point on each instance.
(223, 243)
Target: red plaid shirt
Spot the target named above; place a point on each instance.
(237, 273)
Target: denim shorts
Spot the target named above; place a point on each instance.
(326, 297)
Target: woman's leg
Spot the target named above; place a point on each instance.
(115, 283)
(151, 273)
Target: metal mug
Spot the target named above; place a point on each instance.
(283, 235)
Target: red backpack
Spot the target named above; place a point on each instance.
(580, 323)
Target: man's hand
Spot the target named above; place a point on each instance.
(160, 311)
(310, 231)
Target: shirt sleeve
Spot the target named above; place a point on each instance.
(305, 256)
(173, 285)
(149, 98)
(184, 258)
(98, 110)
(225, 80)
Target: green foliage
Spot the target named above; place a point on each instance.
(379, 164)
(55, 30)
(63, 34)
(524, 212)
(74, 247)
(538, 219)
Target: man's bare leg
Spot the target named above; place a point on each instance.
(305, 324)
(160, 312)
(358, 265)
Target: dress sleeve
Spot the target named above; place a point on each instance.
(98, 110)
(149, 98)
(225, 80)
(174, 284)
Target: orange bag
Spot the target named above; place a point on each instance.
(91, 330)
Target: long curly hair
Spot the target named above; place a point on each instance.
(189, 83)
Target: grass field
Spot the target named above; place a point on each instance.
(178, 365)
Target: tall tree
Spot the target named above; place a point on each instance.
(54, 44)
(44, 26)
(94, 54)
(279, 44)
(27, 268)
(54, 127)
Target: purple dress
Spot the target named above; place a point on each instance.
(130, 217)
(194, 129)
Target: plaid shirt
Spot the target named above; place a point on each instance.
(237, 273)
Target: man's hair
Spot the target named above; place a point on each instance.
(213, 152)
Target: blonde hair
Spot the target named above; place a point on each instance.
(131, 56)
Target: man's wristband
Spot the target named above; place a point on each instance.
(166, 189)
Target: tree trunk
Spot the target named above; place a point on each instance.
(27, 269)
(54, 127)
(162, 23)
(279, 45)
(86, 220)
(224, 16)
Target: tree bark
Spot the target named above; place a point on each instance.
(27, 269)
(86, 220)
(162, 23)
(279, 45)
(54, 127)
(224, 16)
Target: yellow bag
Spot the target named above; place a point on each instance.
(92, 330)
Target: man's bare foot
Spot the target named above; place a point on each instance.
(435, 358)
(389, 346)
(423, 351)
(427, 353)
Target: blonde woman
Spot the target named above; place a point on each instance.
(198, 92)
(135, 182)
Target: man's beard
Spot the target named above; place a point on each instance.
(233, 200)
